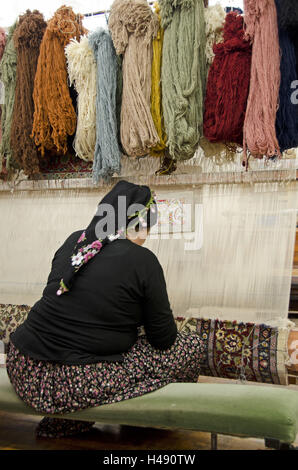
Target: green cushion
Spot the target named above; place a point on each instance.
(242, 410)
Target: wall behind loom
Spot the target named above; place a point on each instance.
(233, 262)
(15, 8)
(239, 265)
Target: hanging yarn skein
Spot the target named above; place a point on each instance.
(8, 67)
(183, 74)
(2, 47)
(228, 84)
(54, 115)
(156, 106)
(107, 156)
(27, 39)
(133, 25)
(214, 22)
(287, 114)
(288, 15)
(81, 67)
(259, 134)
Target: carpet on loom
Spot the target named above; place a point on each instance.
(214, 23)
(156, 92)
(27, 39)
(54, 115)
(228, 84)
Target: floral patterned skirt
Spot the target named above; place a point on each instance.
(54, 388)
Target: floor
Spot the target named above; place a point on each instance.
(17, 433)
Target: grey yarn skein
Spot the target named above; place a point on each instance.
(107, 155)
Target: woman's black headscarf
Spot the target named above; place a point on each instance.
(126, 206)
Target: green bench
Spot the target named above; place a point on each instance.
(266, 412)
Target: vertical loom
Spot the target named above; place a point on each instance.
(229, 255)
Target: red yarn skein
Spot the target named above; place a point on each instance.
(228, 84)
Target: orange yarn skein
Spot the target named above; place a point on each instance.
(259, 134)
(54, 115)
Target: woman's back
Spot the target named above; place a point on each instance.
(121, 289)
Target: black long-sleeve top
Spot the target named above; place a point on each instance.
(120, 289)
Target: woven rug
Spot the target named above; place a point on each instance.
(241, 351)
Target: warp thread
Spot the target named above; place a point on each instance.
(107, 156)
(133, 25)
(214, 23)
(2, 47)
(183, 74)
(81, 67)
(287, 114)
(156, 106)
(259, 134)
(228, 84)
(8, 67)
(54, 115)
(27, 39)
(2, 41)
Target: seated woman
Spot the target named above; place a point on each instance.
(79, 346)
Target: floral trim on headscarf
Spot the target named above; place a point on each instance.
(87, 252)
(141, 214)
